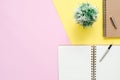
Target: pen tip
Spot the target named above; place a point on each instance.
(100, 60)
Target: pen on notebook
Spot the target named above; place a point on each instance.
(106, 52)
(113, 22)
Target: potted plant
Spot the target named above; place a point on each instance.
(86, 14)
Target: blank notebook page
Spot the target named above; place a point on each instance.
(74, 62)
(109, 68)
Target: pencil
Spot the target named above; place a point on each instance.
(113, 22)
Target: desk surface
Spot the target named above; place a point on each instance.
(75, 32)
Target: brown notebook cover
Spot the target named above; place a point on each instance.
(112, 26)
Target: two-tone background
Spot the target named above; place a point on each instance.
(32, 30)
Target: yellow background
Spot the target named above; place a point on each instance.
(76, 33)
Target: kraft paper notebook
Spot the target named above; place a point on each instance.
(82, 63)
(111, 25)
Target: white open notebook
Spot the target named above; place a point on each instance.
(76, 63)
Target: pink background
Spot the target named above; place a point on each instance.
(30, 32)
